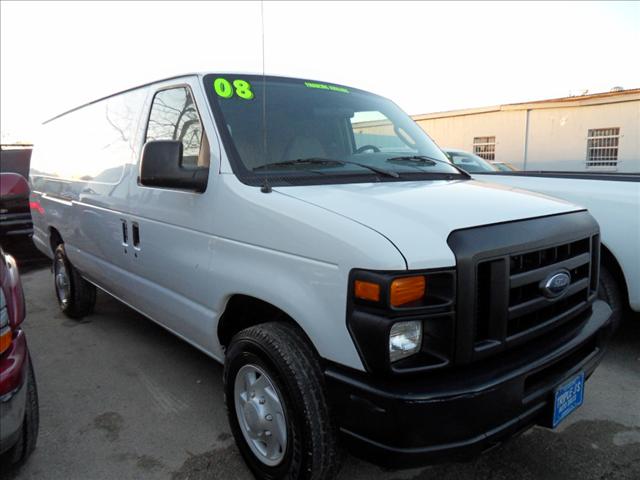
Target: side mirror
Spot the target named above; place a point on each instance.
(161, 166)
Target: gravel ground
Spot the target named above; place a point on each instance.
(121, 398)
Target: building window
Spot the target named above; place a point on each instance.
(485, 147)
(602, 147)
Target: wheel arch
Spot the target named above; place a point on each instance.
(55, 239)
(244, 311)
(609, 260)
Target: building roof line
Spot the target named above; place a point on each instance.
(629, 95)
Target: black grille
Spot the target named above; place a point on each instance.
(501, 270)
(528, 307)
(528, 310)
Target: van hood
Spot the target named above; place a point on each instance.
(417, 217)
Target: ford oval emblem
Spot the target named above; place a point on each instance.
(555, 284)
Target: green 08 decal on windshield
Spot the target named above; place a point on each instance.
(226, 89)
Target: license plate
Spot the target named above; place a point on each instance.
(568, 397)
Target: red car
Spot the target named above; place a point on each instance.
(18, 393)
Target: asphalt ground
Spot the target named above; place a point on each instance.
(121, 398)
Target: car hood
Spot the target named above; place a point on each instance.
(417, 217)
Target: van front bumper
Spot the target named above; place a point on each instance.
(407, 422)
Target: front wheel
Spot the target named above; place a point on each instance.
(277, 406)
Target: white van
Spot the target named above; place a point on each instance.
(358, 288)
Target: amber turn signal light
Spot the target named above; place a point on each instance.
(367, 291)
(407, 289)
(6, 336)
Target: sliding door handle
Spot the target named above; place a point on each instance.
(125, 233)
(135, 235)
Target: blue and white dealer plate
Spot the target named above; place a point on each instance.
(567, 398)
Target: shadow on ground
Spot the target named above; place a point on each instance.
(581, 451)
(27, 256)
(586, 449)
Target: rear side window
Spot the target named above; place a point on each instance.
(91, 144)
(174, 117)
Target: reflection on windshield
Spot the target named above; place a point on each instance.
(320, 121)
(470, 163)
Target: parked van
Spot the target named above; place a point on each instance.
(358, 288)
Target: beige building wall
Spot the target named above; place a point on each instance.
(546, 135)
(558, 136)
(458, 132)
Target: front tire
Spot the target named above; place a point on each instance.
(277, 406)
(76, 297)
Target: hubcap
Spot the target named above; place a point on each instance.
(261, 414)
(61, 279)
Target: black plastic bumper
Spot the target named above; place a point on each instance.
(15, 224)
(403, 423)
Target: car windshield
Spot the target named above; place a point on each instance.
(504, 167)
(290, 129)
(469, 162)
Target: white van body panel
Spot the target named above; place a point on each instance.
(614, 204)
(293, 248)
(419, 216)
(268, 246)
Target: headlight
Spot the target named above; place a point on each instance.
(389, 311)
(405, 339)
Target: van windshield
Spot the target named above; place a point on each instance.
(296, 131)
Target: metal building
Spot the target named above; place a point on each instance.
(599, 132)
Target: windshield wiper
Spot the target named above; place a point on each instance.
(300, 161)
(327, 161)
(425, 160)
(381, 171)
(413, 159)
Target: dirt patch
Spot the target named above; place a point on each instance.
(220, 463)
(110, 423)
(147, 462)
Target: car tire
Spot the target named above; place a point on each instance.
(609, 291)
(26, 442)
(281, 353)
(76, 297)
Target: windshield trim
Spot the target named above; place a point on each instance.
(258, 178)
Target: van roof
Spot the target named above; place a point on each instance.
(193, 74)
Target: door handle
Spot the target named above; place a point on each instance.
(125, 233)
(135, 230)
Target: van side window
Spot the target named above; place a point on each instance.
(174, 117)
(93, 143)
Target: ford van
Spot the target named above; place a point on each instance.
(360, 290)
